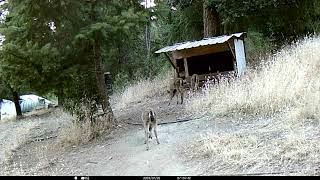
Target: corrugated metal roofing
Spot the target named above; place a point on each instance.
(203, 42)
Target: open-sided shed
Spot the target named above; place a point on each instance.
(208, 57)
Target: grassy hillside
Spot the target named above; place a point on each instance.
(277, 111)
(286, 81)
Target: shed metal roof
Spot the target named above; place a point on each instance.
(203, 42)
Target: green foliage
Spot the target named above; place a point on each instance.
(257, 46)
(148, 69)
(4, 90)
(51, 97)
(281, 20)
(184, 23)
(50, 46)
(269, 24)
(121, 80)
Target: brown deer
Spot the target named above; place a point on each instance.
(176, 87)
(194, 82)
(149, 121)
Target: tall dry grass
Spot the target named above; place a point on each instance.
(238, 153)
(74, 134)
(282, 99)
(288, 79)
(80, 132)
(87, 121)
(142, 90)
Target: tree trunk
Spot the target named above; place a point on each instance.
(210, 21)
(16, 102)
(147, 39)
(15, 97)
(102, 87)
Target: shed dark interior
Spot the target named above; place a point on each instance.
(180, 65)
(211, 63)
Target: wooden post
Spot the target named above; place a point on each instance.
(234, 57)
(232, 51)
(186, 67)
(173, 64)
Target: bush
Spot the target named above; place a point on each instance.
(257, 47)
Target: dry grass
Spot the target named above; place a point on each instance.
(284, 94)
(81, 132)
(40, 160)
(41, 165)
(16, 133)
(75, 134)
(142, 90)
(13, 139)
(248, 153)
(289, 79)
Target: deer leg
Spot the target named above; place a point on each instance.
(155, 133)
(172, 93)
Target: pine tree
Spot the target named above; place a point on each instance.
(61, 46)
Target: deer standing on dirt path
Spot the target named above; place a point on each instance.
(149, 121)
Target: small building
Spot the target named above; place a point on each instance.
(27, 103)
(208, 57)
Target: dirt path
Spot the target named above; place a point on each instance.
(126, 154)
(17, 134)
(121, 153)
(13, 134)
